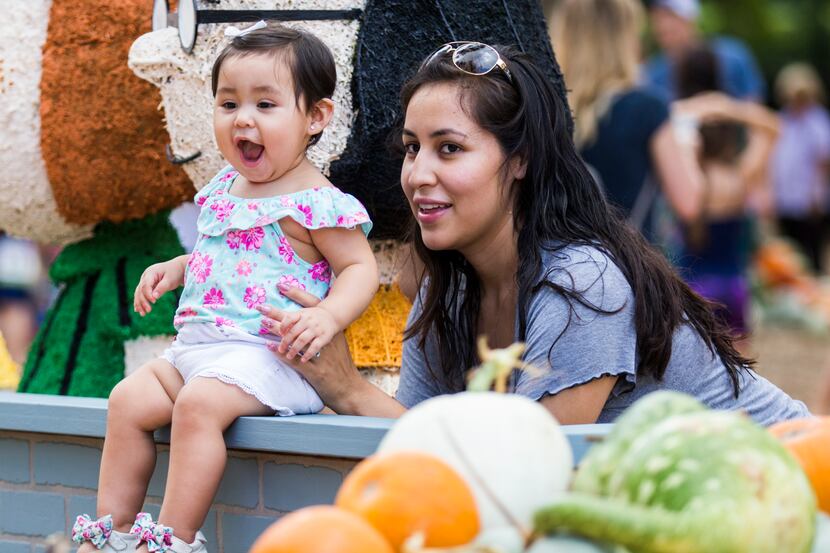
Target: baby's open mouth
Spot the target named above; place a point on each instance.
(251, 151)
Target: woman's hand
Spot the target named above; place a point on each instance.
(333, 374)
(156, 280)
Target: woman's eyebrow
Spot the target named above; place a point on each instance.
(443, 132)
(439, 132)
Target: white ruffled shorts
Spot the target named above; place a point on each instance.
(236, 357)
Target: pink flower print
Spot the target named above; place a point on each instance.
(254, 295)
(233, 239)
(228, 175)
(352, 221)
(285, 250)
(286, 201)
(321, 271)
(253, 206)
(182, 315)
(263, 220)
(221, 321)
(200, 201)
(213, 298)
(200, 266)
(290, 281)
(222, 208)
(306, 210)
(243, 268)
(252, 238)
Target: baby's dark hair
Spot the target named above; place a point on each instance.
(310, 61)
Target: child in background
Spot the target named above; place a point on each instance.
(268, 221)
(734, 140)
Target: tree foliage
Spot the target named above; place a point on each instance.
(777, 31)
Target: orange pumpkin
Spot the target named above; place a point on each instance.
(809, 441)
(405, 492)
(321, 529)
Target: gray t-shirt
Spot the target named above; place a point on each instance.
(598, 344)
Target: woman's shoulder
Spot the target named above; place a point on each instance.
(639, 110)
(580, 260)
(640, 97)
(587, 270)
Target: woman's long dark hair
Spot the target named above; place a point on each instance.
(556, 205)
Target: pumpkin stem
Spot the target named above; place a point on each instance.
(496, 366)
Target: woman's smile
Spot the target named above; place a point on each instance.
(430, 210)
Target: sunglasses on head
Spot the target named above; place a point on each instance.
(188, 17)
(473, 58)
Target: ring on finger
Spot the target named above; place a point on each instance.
(301, 352)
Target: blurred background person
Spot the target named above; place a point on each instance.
(734, 139)
(800, 166)
(674, 25)
(21, 276)
(622, 130)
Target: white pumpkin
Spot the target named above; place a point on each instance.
(511, 451)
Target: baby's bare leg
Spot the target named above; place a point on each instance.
(204, 408)
(137, 405)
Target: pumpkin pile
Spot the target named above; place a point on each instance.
(485, 472)
(460, 471)
(676, 476)
(388, 499)
(786, 291)
(809, 442)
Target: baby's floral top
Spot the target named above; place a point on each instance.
(242, 255)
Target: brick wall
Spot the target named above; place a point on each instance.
(50, 452)
(46, 480)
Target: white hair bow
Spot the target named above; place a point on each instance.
(234, 32)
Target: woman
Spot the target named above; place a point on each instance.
(734, 139)
(519, 244)
(622, 131)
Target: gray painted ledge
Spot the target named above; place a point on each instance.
(316, 435)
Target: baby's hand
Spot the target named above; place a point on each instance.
(155, 281)
(306, 331)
